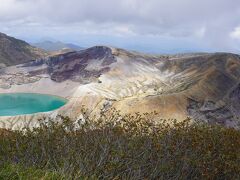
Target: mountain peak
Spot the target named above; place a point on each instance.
(14, 51)
(2, 34)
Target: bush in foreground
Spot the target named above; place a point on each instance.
(125, 147)
(16, 172)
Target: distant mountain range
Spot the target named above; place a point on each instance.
(52, 46)
(14, 51)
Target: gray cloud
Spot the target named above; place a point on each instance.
(211, 23)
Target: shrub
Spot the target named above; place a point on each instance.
(125, 147)
(13, 172)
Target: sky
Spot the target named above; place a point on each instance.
(153, 26)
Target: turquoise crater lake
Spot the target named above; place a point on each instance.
(12, 104)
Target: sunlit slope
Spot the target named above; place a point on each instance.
(202, 86)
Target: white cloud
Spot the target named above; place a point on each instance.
(236, 33)
(200, 20)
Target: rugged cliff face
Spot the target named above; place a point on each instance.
(14, 51)
(203, 86)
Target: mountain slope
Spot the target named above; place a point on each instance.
(203, 86)
(14, 51)
(57, 46)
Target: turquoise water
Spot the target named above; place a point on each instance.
(13, 104)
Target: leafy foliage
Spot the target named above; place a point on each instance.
(125, 147)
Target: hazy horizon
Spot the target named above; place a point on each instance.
(150, 26)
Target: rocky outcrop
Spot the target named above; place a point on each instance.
(82, 66)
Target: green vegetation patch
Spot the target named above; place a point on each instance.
(16, 172)
(121, 147)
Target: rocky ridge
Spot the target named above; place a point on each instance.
(202, 86)
(14, 51)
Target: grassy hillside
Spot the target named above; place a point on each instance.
(129, 147)
(14, 51)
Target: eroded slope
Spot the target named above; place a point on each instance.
(202, 86)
